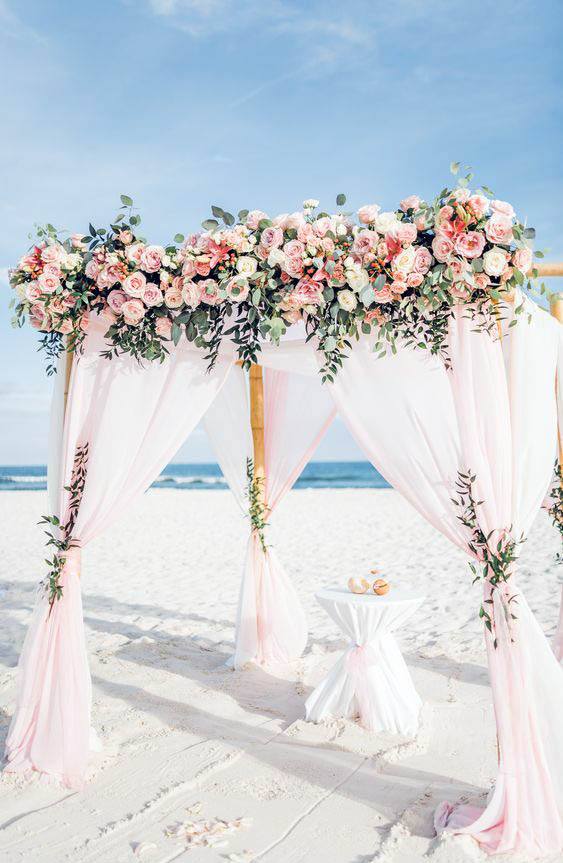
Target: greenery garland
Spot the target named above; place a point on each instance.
(396, 274)
(496, 560)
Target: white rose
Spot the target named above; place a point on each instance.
(357, 278)
(310, 204)
(276, 258)
(404, 262)
(347, 300)
(166, 260)
(341, 230)
(246, 266)
(72, 260)
(494, 262)
(386, 223)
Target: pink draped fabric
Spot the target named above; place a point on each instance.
(271, 626)
(495, 414)
(134, 418)
(558, 637)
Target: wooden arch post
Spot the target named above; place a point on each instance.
(256, 385)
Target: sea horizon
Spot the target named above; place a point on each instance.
(207, 475)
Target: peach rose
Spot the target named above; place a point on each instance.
(442, 247)
(33, 292)
(271, 238)
(237, 289)
(210, 292)
(92, 269)
(322, 226)
(135, 284)
(173, 298)
(368, 214)
(470, 245)
(191, 293)
(503, 207)
(126, 237)
(163, 327)
(414, 279)
(133, 312)
(412, 202)
(134, 252)
(53, 254)
(65, 327)
(406, 233)
(294, 249)
(522, 259)
(499, 229)
(76, 241)
(254, 218)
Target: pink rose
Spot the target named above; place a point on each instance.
(92, 269)
(503, 207)
(368, 214)
(499, 229)
(294, 221)
(48, 284)
(152, 296)
(76, 240)
(271, 238)
(422, 260)
(410, 203)
(470, 245)
(134, 252)
(151, 258)
(237, 289)
(481, 281)
(294, 249)
(305, 233)
(39, 318)
(364, 243)
(189, 268)
(293, 267)
(306, 293)
(460, 291)
(52, 270)
(163, 327)
(126, 237)
(173, 298)
(442, 247)
(53, 254)
(210, 292)
(135, 284)
(191, 293)
(406, 233)
(385, 294)
(478, 205)
(322, 226)
(133, 312)
(522, 259)
(116, 299)
(327, 245)
(254, 218)
(33, 292)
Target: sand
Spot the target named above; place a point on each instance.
(185, 739)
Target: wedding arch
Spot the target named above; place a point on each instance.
(446, 375)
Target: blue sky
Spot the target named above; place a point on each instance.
(250, 103)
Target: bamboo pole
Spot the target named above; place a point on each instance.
(555, 268)
(256, 381)
(556, 309)
(68, 372)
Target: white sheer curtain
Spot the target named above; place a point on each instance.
(420, 425)
(271, 625)
(133, 419)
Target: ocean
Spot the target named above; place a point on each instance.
(317, 474)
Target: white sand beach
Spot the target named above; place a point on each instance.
(179, 729)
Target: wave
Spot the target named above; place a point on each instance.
(23, 478)
(169, 479)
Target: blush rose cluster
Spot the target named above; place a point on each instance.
(398, 273)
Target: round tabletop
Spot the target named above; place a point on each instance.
(343, 594)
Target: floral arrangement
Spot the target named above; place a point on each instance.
(555, 508)
(399, 273)
(496, 553)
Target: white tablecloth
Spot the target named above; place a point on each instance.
(371, 679)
